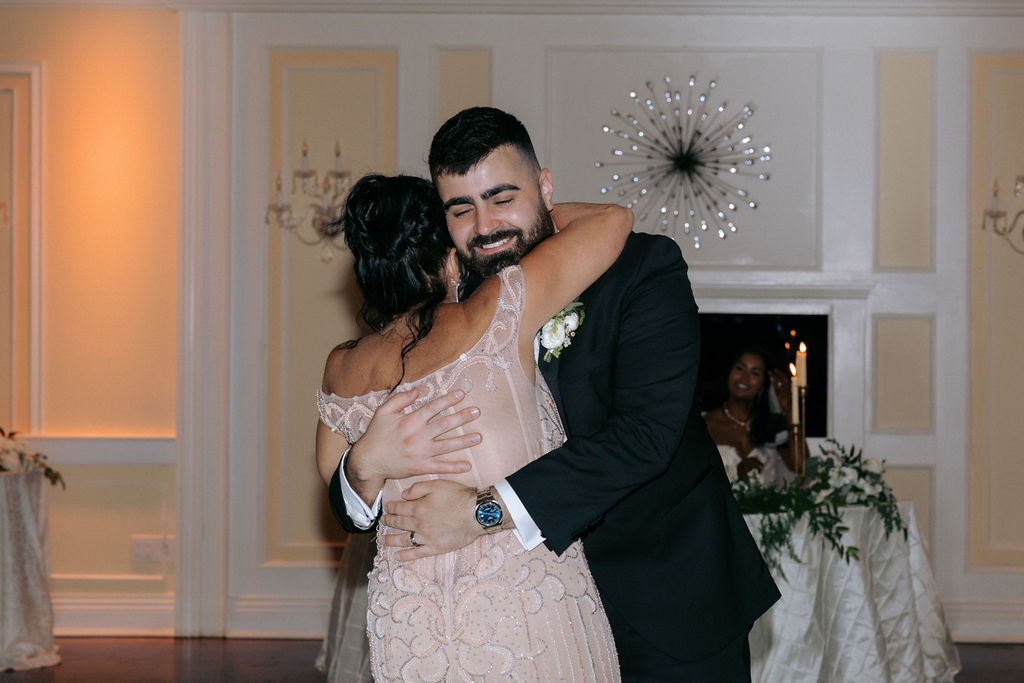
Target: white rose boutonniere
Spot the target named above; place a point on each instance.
(558, 332)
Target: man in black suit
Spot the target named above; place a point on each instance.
(638, 480)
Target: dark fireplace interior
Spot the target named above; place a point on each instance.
(724, 334)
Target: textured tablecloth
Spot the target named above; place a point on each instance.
(26, 614)
(876, 619)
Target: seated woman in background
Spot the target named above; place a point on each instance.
(750, 437)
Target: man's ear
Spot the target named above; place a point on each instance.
(547, 188)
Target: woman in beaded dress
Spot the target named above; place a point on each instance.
(491, 610)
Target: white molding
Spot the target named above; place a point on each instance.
(939, 8)
(104, 450)
(291, 616)
(77, 614)
(728, 284)
(203, 326)
(986, 621)
(34, 72)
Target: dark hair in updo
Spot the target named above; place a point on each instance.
(395, 228)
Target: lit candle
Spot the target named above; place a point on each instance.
(801, 365)
(305, 157)
(280, 193)
(337, 157)
(995, 197)
(794, 395)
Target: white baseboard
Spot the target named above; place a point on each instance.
(113, 615)
(283, 616)
(278, 616)
(986, 622)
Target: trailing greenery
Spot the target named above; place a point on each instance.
(16, 457)
(835, 478)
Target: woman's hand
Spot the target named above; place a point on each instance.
(780, 382)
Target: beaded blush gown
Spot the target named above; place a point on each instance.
(491, 611)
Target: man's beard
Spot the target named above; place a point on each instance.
(486, 265)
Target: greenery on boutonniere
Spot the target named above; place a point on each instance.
(835, 478)
(558, 332)
(16, 457)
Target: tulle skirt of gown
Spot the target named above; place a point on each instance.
(345, 653)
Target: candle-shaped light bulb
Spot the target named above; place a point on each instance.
(305, 157)
(337, 156)
(995, 197)
(801, 365)
(280, 192)
(794, 396)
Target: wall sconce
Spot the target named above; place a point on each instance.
(323, 204)
(999, 221)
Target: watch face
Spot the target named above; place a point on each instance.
(488, 514)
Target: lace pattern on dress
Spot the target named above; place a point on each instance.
(496, 349)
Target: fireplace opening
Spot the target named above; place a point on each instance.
(724, 334)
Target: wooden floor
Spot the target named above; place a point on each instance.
(208, 660)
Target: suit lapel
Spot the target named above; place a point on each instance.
(549, 369)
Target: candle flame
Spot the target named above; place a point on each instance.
(803, 347)
(995, 189)
(305, 149)
(278, 181)
(337, 148)
(792, 369)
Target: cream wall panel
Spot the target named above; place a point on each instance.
(312, 303)
(584, 85)
(997, 319)
(905, 161)
(109, 245)
(93, 520)
(903, 381)
(913, 484)
(463, 80)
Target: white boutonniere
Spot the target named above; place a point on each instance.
(558, 332)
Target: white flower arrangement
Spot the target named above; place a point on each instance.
(834, 478)
(16, 457)
(558, 332)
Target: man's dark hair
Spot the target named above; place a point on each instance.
(472, 134)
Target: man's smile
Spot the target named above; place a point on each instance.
(491, 246)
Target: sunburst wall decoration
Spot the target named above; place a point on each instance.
(680, 157)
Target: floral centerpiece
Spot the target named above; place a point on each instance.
(16, 457)
(834, 478)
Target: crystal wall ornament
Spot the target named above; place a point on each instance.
(679, 159)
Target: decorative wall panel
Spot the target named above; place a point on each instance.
(903, 382)
(463, 80)
(319, 99)
(997, 317)
(905, 177)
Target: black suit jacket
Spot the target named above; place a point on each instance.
(639, 479)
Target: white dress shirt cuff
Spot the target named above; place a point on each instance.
(361, 514)
(526, 530)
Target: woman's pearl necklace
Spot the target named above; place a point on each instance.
(742, 423)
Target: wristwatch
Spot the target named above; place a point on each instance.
(488, 511)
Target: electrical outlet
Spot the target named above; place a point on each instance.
(152, 548)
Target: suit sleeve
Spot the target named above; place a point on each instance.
(654, 364)
(340, 507)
